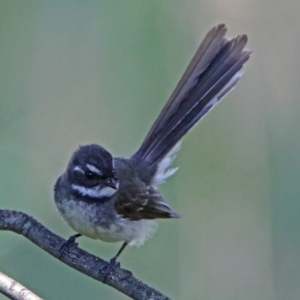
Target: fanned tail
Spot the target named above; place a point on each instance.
(212, 73)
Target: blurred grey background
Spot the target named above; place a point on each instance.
(75, 72)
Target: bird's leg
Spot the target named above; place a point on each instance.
(113, 263)
(70, 242)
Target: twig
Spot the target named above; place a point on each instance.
(76, 258)
(14, 290)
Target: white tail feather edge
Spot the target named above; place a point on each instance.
(164, 171)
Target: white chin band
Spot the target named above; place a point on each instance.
(94, 192)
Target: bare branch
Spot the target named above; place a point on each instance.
(76, 258)
(14, 290)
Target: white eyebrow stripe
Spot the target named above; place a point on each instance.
(77, 168)
(93, 169)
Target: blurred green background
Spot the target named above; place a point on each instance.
(75, 72)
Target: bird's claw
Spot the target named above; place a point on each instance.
(109, 267)
(69, 243)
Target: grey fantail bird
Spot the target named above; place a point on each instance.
(115, 199)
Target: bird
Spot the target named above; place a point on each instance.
(115, 199)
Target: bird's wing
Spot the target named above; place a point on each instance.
(142, 202)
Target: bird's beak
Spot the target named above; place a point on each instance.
(113, 183)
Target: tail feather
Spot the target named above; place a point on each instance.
(213, 72)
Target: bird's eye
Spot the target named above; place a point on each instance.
(90, 175)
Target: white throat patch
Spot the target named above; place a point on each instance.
(94, 192)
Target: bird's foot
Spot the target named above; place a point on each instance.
(109, 268)
(69, 243)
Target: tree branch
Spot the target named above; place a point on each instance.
(76, 258)
(14, 290)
